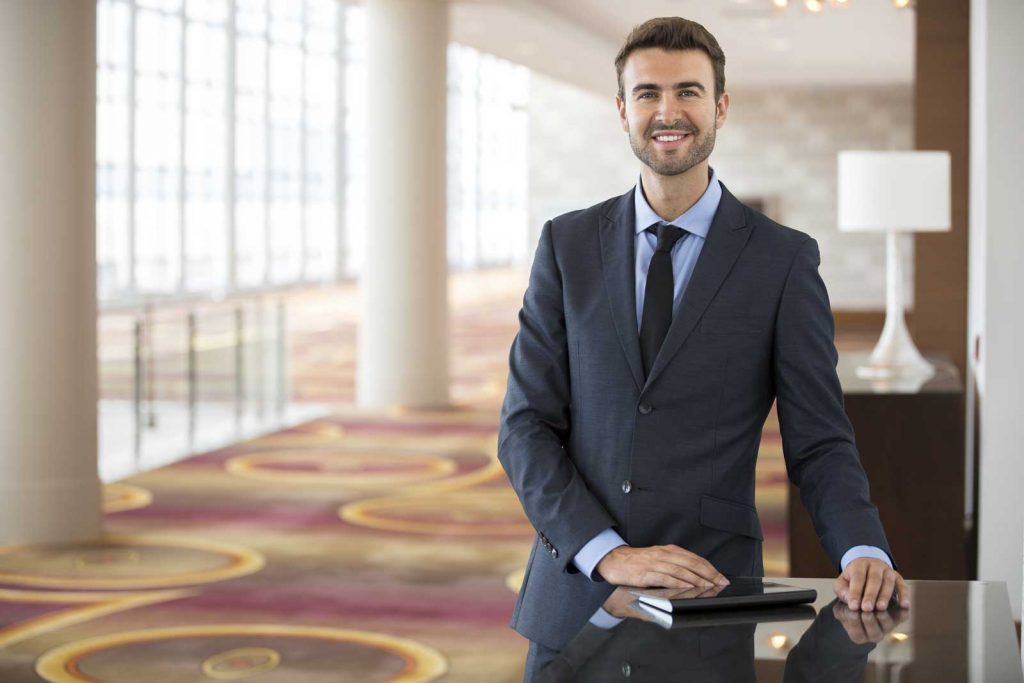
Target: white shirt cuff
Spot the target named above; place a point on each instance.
(589, 555)
(603, 620)
(859, 551)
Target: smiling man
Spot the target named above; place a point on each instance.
(657, 330)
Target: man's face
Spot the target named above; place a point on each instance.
(668, 108)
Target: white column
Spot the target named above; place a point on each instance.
(403, 340)
(996, 309)
(49, 487)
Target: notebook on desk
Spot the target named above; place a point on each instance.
(727, 617)
(742, 592)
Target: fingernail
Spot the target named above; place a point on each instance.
(853, 604)
(881, 605)
(723, 582)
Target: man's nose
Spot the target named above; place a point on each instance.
(669, 111)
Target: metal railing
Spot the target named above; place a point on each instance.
(179, 378)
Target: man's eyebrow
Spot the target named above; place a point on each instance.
(678, 86)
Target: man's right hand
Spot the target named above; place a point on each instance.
(667, 566)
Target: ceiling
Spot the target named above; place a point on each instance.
(868, 42)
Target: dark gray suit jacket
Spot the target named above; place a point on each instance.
(589, 444)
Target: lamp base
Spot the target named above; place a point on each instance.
(895, 356)
(924, 371)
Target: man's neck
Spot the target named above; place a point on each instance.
(671, 196)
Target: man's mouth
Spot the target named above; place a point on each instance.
(669, 139)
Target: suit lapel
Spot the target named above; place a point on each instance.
(726, 238)
(619, 269)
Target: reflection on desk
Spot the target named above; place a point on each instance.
(945, 380)
(954, 631)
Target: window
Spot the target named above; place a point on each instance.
(220, 167)
(216, 145)
(487, 160)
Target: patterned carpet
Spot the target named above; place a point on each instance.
(365, 547)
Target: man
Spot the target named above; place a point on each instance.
(657, 329)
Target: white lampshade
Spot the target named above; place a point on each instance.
(904, 191)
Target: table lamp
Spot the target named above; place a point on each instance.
(895, 193)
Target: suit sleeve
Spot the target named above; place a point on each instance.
(817, 437)
(535, 420)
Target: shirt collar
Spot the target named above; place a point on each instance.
(697, 219)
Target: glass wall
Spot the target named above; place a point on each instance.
(487, 160)
(231, 135)
(216, 145)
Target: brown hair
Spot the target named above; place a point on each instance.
(673, 33)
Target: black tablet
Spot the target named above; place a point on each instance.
(741, 592)
(728, 617)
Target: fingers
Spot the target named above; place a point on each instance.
(885, 620)
(902, 592)
(867, 627)
(886, 590)
(654, 579)
(668, 566)
(851, 623)
(841, 587)
(869, 584)
(693, 563)
(855, 573)
(682, 573)
(701, 591)
(876, 572)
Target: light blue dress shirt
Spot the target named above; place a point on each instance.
(696, 221)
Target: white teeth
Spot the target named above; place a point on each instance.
(670, 138)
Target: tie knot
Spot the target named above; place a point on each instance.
(668, 235)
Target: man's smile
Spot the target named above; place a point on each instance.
(669, 139)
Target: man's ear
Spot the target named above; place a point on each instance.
(621, 107)
(721, 110)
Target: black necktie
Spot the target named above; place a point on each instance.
(658, 295)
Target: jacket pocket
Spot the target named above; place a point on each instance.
(726, 515)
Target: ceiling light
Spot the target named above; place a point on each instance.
(816, 6)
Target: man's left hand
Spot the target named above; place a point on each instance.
(868, 584)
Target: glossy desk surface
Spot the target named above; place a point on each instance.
(953, 631)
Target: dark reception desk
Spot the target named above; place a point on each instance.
(954, 631)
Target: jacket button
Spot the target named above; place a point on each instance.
(645, 409)
(554, 553)
(626, 671)
(627, 486)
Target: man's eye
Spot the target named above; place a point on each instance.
(690, 92)
(645, 95)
